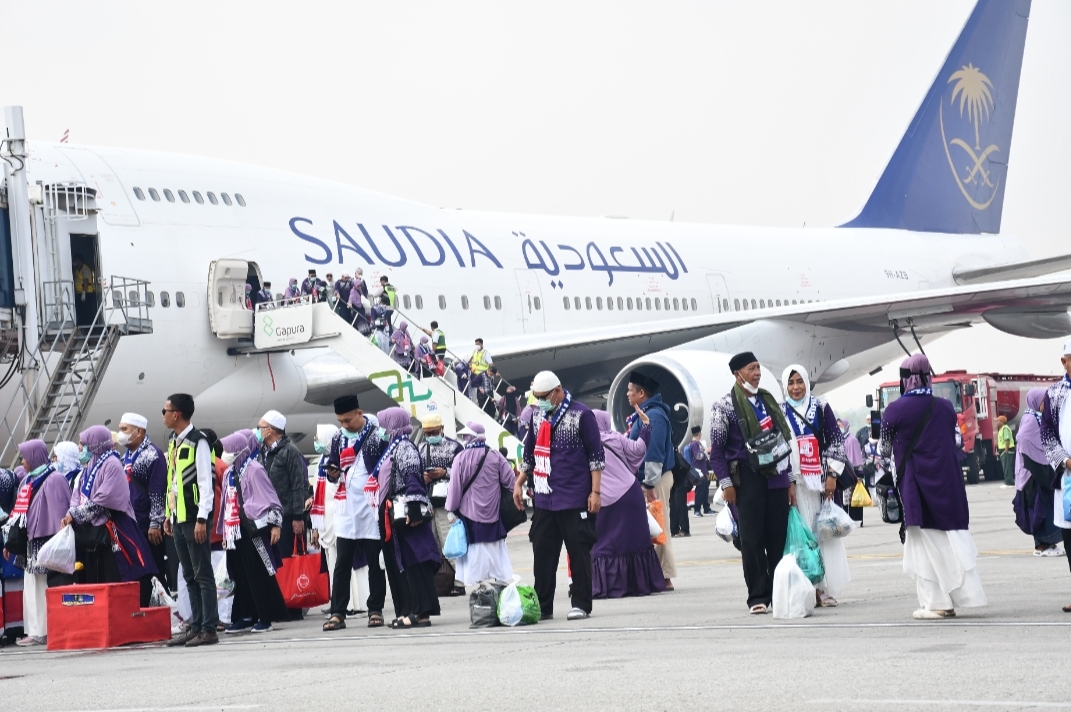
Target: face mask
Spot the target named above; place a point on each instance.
(123, 439)
(382, 433)
(795, 403)
(84, 456)
(435, 439)
(228, 458)
(349, 434)
(753, 390)
(544, 405)
(319, 447)
(258, 435)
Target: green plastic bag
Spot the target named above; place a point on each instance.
(801, 542)
(518, 605)
(529, 605)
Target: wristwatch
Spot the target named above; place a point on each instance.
(202, 521)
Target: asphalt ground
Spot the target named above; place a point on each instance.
(694, 648)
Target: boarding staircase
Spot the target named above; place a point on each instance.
(309, 324)
(71, 361)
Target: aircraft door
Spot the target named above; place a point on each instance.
(228, 314)
(531, 299)
(719, 293)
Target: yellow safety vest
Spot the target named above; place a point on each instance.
(183, 497)
(392, 295)
(478, 362)
(83, 280)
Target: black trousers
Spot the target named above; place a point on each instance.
(1066, 533)
(763, 523)
(399, 585)
(678, 509)
(158, 552)
(702, 496)
(256, 592)
(549, 530)
(340, 577)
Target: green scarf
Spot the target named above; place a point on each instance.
(750, 423)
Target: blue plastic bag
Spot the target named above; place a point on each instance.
(457, 543)
(1065, 494)
(800, 542)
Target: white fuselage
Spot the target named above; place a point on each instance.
(477, 274)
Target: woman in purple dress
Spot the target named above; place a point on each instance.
(249, 522)
(623, 560)
(410, 550)
(938, 550)
(110, 545)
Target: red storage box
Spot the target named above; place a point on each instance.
(102, 616)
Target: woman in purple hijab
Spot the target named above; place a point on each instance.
(938, 549)
(402, 345)
(249, 522)
(1035, 481)
(623, 560)
(409, 549)
(39, 506)
(109, 543)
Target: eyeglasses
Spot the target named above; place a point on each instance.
(165, 411)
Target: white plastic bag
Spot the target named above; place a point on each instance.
(725, 525)
(832, 521)
(509, 605)
(224, 585)
(717, 502)
(653, 525)
(793, 593)
(58, 552)
(160, 598)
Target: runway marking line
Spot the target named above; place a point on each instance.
(955, 703)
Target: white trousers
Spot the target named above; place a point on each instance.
(34, 607)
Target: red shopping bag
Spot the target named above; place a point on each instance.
(302, 580)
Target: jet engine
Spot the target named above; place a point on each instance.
(690, 382)
(1033, 324)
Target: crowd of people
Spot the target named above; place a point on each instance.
(383, 496)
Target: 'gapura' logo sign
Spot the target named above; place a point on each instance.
(281, 332)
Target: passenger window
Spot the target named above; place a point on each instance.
(598, 303)
(150, 299)
(498, 303)
(180, 299)
(587, 303)
(565, 300)
(406, 301)
(658, 304)
(648, 300)
(139, 194)
(419, 301)
(793, 302)
(165, 300)
(154, 195)
(486, 302)
(226, 198)
(198, 198)
(676, 305)
(576, 303)
(610, 303)
(762, 304)
(754, 305)
(240, 199)
(629, 303)
(535, 302)
(212, 198)
(183, 197)
(684, 304)
(169, 195)
(621, 304)
(442, 302)
(667, 303)
(464, 302)
(736, 304)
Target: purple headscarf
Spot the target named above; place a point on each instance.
(258, 493)
(98, 440)
(915, 372)
(110, 488)
(1029, 437)
(34, 452)
(396, 421)
(239, 444)
(622, 460)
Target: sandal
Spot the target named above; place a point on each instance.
(1067, 608)
(758, 609)
(335, 623)
(409, 621)
(375, 620)
(457, 591)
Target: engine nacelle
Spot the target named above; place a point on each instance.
(1040, 324)
(690, 383)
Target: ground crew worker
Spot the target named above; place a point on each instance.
(438, 341)
(392, 299)
(479, 362)
(1006, 450)
(85, 292)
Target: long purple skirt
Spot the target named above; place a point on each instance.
(134, 559)
(623, 560)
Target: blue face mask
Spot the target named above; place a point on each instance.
(544, 405)
(84, 456)
(796, 403)
(349, 434)
(435, 439)
(382, 433)
(319, 447)
(258, 435)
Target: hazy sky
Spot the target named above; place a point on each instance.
(757, 113)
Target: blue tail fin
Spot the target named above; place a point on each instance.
(948, 173)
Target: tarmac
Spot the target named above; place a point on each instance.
(694, 648)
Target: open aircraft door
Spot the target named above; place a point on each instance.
(228, 314)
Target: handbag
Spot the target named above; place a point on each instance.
(302, 581)
(17, 541)
(764, 450)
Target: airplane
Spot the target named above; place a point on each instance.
(590, 298)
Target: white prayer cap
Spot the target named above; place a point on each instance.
(138, 421)
(545, 382)
(1067, 348)
(275, 419)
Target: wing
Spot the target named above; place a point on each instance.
(1016, 270)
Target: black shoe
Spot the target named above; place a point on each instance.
(181, 639)
(546, 616)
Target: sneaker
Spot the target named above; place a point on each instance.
(239, 626)
(181, 639)
(30, 640)
(698, 514)
(262, 627)
(578, 614)
(1051, 551)
(205, 637)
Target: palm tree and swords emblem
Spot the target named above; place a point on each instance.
(974, 92)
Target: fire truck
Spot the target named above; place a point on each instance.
(978, 399)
